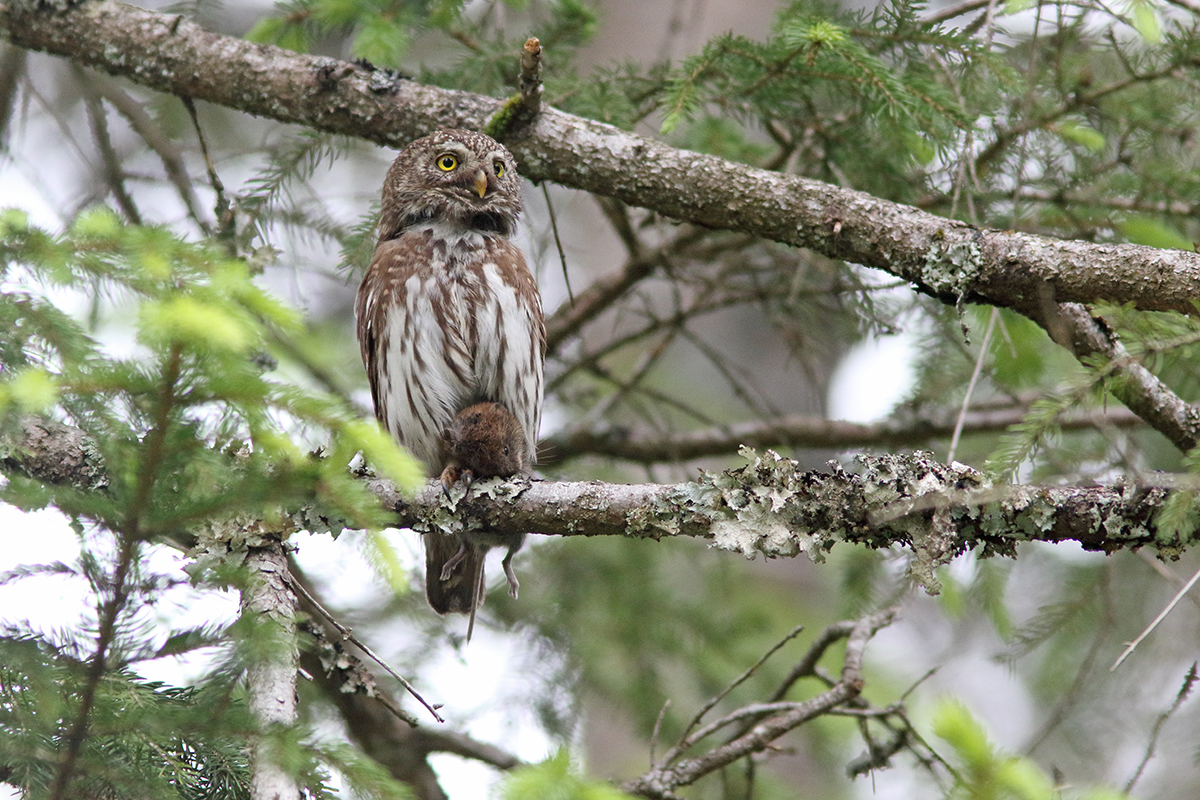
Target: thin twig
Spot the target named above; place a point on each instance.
(167, 150)
(1189, 680)
(353, 677)
(530, 82)
(225, 225)
(661, 781)
(804, 430)
(1083, 675)
(361, 645)
(1161, 616)
(1166, 572)
(805, 666)
(954, 11)
(113, 175)
(662, 712)
(562, 254)
(712, 701)
(966, 403)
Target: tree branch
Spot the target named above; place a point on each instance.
(801, 430)
(269, 604)
(769, 506)
(374, 718)
(661, 782)
(944, 258)
(1074, 327)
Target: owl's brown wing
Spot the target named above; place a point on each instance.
(378, 290)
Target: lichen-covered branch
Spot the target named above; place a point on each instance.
(947, 259)
(774, 508)
(769, 506)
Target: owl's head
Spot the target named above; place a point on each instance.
(458, 177)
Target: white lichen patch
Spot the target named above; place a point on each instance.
(756, 506)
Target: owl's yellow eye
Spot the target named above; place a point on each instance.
(499, 168)
(447, 162)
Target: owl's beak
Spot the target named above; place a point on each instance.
(481, 183)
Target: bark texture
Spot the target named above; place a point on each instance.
(271, 680)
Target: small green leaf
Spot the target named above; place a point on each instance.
(1024, 780)
(13, 220)
(920, 148)
(825, 33)
(193, 322)
(1017, 6)
(281, 32)
(385, 455)
(33, 390)
(682, 102)
(98, 222)
(1081, 134)
(822, 32)
(1146, 20)
(444, 13)
(554, 779)
(953, 722)
(266, 30)
(381, 41)
(1103, 793)
(387, 562)
(339, 13)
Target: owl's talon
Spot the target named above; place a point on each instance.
(449, 478)
(452, 475)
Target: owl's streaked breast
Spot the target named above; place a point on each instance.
(450, 318)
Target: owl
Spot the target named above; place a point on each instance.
(448, 315)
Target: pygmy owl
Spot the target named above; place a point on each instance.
(449, 316)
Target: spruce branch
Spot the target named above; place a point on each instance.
(114, 174)
(950, 260)
(113, 600)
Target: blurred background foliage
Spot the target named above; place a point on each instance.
(1070, 119)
